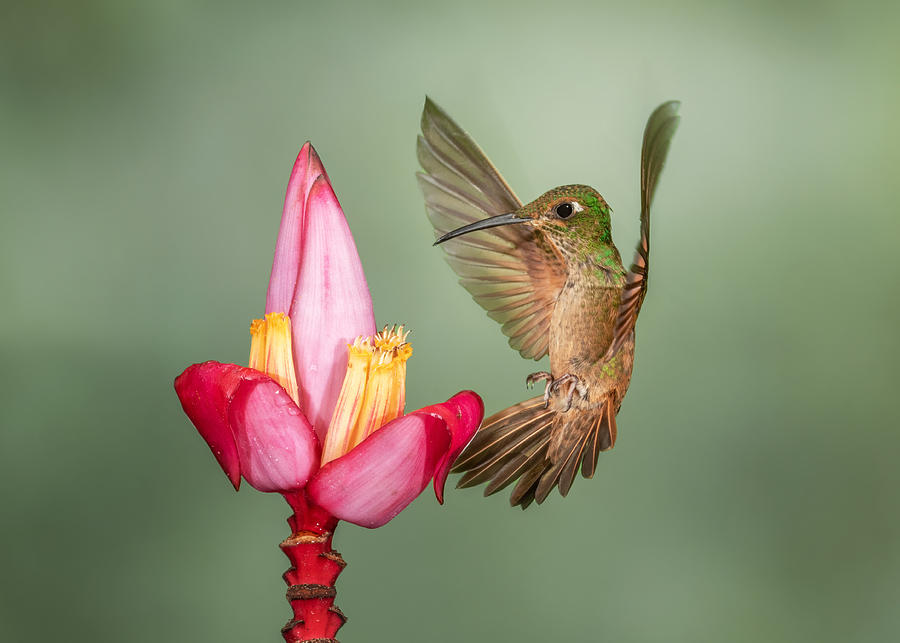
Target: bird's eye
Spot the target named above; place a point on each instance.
(564, 210)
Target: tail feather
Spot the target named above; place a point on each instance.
(482, 474)
(546, 483)
(518, 466)
(487, 471)
(592, 453)
(537, 448)
(523, 492)
(511, 471)
(525, 440)
(570, 468)
(562, 473)
(509, 429)
(601, 437)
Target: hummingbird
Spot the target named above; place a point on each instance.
(549, 273)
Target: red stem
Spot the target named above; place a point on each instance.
(314, 568)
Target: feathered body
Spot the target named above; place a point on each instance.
(549, 272)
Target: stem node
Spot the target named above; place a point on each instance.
(315, 567)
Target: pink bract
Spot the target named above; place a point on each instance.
(384, 473)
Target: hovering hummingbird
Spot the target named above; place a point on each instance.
(549, 273)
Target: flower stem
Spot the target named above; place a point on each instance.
(314, 568)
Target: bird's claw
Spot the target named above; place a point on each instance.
(554, 383)
(534, 377)
(575, 385)
(541, 375)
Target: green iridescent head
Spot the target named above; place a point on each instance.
(575, 219)
(570, 209)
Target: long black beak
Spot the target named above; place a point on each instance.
(490, 222)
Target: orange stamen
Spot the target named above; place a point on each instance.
(373, 392)
(271, 351)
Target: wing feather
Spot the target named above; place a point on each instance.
(508, 270)
(658, 134)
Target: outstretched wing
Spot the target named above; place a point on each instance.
(509, 270)
(658, 134)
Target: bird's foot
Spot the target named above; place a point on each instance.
(575, 385)
(541, 375)
(536, 377)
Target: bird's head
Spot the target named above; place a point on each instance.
(574, 218)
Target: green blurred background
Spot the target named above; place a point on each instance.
(753, 493)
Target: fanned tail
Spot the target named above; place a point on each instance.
(579, 435)
(538, 447)
(511, 445)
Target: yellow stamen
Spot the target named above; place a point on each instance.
(258, 345)
(349, 402)
(271, 351)
(373, 392)
(398, 393)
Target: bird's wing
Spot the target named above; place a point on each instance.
(658, 134)
(511, 271)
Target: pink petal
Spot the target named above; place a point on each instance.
(463, 414)
(286, 265)
(331, 305)
(277, 446)
(384, 473)
(205, 391)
